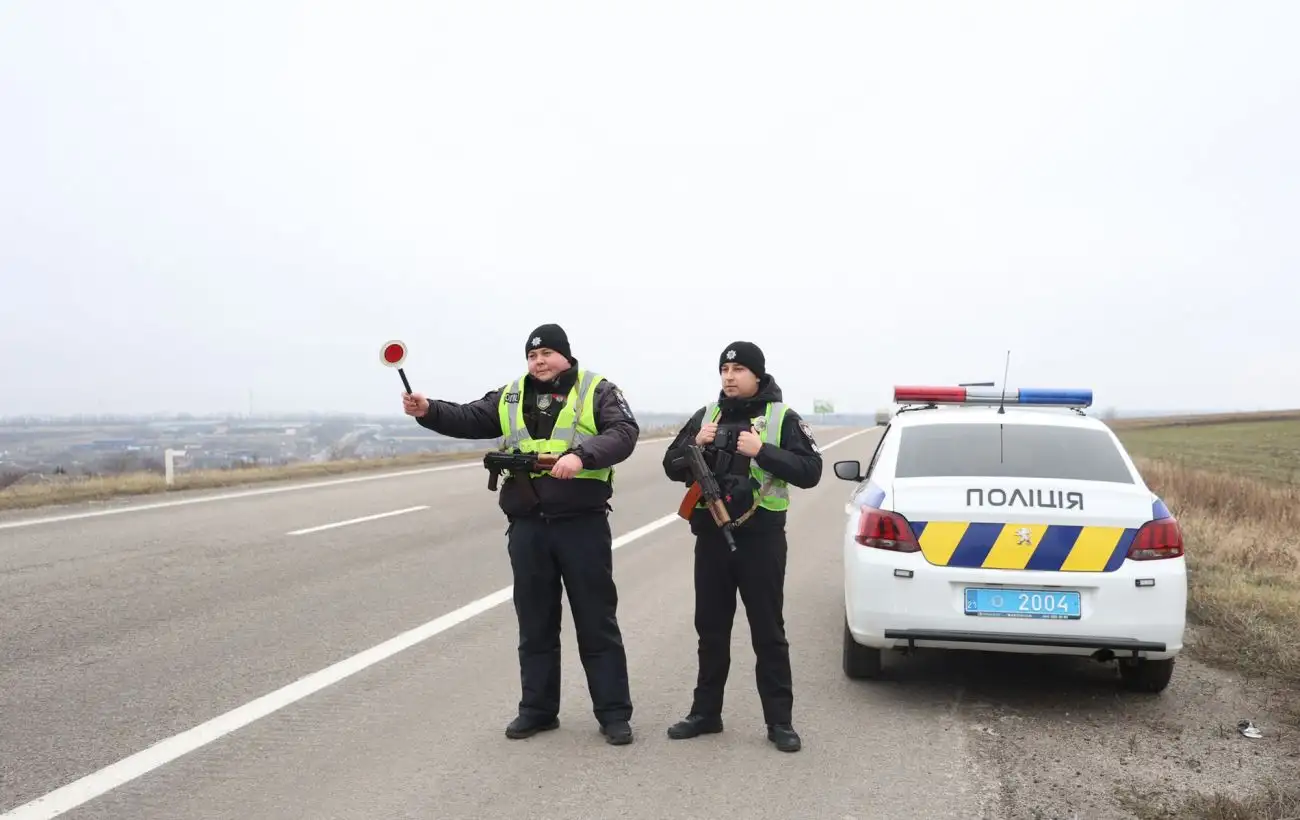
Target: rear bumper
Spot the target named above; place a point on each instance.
(900, 600)
(1118, 645)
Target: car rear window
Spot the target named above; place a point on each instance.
(1012, 450)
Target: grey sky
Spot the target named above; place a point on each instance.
(875, 193)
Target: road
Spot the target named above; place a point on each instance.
(125, 630)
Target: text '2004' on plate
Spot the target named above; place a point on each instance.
(1023, 603)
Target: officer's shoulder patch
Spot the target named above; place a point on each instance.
(621, 401)
(807, 431)
(512, 397)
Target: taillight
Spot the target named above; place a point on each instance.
(886, 531)
(1162, 538)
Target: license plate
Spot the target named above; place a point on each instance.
(1022, 603)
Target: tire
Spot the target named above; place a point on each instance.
(1146, 675)
(860, 662)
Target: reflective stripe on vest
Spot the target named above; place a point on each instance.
(575, 423)
(771, 493)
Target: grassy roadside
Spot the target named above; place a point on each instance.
(1235, 486)
(1271, 801)
(1203, 420)
(1243, 553)
(101, 488)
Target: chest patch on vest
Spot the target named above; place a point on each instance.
(545, 400)
(512, 398)
(759, 423)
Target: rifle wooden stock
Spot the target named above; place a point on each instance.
(689, 500)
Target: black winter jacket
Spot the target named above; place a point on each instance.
(617, 436)
(797, 461)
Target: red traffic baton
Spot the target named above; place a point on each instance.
(394, 355)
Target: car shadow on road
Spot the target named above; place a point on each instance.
(1020, 682)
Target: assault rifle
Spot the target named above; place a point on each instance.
(518, 462)
(705, 485)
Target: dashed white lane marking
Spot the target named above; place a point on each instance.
(93, 785)
(363, 518)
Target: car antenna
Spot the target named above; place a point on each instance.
(1003, 402)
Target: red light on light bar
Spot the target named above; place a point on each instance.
(904, 394)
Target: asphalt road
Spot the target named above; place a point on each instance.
(122, 631)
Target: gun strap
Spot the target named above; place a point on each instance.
(762, 491)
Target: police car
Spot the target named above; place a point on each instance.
(1009, 523)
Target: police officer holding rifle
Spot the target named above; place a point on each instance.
(755, 447)
(563, 429)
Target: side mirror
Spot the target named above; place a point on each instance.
(849, 470)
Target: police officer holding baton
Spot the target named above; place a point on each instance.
(757, 447)
(558, 528)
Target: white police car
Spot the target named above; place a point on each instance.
(1010, 524)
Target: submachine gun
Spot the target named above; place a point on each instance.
(516, 462)
(704, 484)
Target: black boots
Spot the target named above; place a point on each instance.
(694, 726)
(782, 735)
(785, 737)
(522, 727)
(617, 733)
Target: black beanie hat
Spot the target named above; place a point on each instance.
(551, 336)
(747, 354)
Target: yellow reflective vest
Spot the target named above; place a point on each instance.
(772, 493)
(575, 424)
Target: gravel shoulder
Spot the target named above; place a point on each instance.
(1061, 740)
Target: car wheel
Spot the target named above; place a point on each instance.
(860, 662)
(1146, 675)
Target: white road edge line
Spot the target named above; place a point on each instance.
(363, 518)
(110, 777)
(287, 488)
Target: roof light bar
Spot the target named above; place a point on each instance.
(993, 396)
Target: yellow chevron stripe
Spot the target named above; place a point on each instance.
(940, 539)
(1092, 549)
(1008, 554)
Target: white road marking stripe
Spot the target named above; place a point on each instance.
(289, 488)
(375, 517)
(93, 785)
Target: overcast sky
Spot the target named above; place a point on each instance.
(875, 193)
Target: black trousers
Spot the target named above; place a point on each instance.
(757, 571)
(577, 552)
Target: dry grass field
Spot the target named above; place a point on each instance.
(1234, 484)
(74, 490)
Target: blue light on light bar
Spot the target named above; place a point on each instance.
(1059, 397)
